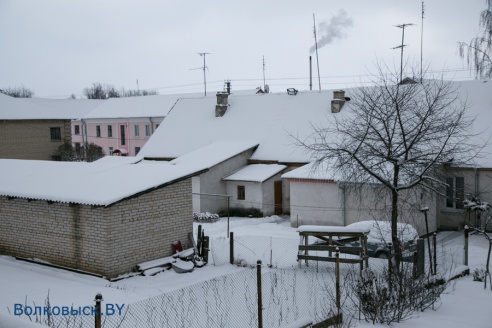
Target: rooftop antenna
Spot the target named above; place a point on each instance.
(316, 43)
(421, 44)
(203, 54)
(264, 72)
(402, 26)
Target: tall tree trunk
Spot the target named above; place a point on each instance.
(394, 219)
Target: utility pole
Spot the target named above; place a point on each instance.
(204, 54)
(402, 26)
(264, 73)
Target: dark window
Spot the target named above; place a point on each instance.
(98, 131)
(455, 192)
(76, 129)
(110, 131)
(122, 135)
(55, 134)
(137, 150)
(241, 193)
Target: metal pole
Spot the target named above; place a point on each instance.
(317, 59)
(310, 73)
(390, 268)
(231, 248)
(260, 306)
(435, 252)
(466, 245)
(428, 242)
(204, 75)
(99, 299)
(337, 273)
(228, 198)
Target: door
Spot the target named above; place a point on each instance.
(278, 197)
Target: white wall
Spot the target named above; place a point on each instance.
(253, 194)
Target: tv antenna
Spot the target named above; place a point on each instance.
(203, 54)
(421, 43)
(316, 44)
(402, 26)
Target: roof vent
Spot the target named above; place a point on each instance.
(291, 91)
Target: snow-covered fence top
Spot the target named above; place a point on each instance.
(331, 229)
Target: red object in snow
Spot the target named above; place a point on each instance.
(177, 247)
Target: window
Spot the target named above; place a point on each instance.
(147, 130)
(122, 135)
(241, 193)
(137, 150)
(110, 151)
(136, 130)
(55, 134)
(98, 131)
(76, 129)
(110, 131)
(455, 192)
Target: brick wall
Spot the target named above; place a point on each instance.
(106, 240)
(31, 139)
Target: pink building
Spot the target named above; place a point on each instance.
(121, 126)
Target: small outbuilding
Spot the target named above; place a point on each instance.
(103, 217)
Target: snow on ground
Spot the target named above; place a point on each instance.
(465, 304)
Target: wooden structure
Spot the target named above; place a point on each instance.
(332, 238)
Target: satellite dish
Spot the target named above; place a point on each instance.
(267, 88)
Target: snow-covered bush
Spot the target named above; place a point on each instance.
(387, 297)
(205, 217)
(479, 274)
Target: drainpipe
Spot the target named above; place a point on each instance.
(84, 138)
(476, 190)
(151, 126)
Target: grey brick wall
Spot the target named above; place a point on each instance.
(31, 139)
(105, 240)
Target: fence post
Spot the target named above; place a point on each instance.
(337, 273)
(466, 245)
(99, 299)
(420, 257)
(206, 248)
(260, 305)
(435, 252)
(231, 247)
(415, 263)
(390, 267)
(199, 240)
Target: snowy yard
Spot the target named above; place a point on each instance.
(465, 303)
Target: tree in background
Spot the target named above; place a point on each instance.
(103, 91)
(68, 153)
(18, 92)
(479, 51)
(396, 137)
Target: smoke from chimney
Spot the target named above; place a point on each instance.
(334, 29)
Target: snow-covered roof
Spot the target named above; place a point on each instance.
(255, 172)
(214, 153)
(44, 109)
(102, 183)
(311, 172)
(271, 119)
(144, 106)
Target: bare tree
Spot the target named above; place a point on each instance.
(18, 92)
(101, 91)
(478, 51)
(397, 137)
(137, 93)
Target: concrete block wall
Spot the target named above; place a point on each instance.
(31, 139)
(105, 240)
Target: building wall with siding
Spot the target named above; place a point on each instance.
(105, 240)
(31, 139)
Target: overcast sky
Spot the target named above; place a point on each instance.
(59, 47)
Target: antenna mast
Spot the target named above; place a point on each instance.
(421, 44)
(204, 54)
(316, 43)
(402, 26)
(263, 72)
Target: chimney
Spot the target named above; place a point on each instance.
(338, 101)
(228, 87)
(222, 104)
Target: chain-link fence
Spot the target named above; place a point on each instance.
(288, 291)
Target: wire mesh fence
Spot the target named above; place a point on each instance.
(288, 291)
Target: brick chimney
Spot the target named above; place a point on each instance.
(338, 101)
(222, 104)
